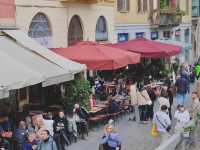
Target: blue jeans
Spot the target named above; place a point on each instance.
(181, 98)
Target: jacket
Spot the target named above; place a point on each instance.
(162, 121)
(112, 139)
(20, 135)
(59, 121)
(143, 98)
(49, 145)
(182, 85)
(28, 145)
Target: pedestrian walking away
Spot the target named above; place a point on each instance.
(182, 86)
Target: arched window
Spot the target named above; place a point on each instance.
(101, 29)
(40, 30)
(75, 31)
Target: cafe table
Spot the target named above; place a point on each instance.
(95, 110)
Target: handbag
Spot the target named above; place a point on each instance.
(154, 131)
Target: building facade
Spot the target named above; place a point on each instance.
(196, 28)
(154, 19)
(60, 23)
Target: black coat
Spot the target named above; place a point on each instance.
(58, 121)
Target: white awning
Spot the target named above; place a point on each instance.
(4, 93)
(15, 75)
(23, 39)
(33, 63)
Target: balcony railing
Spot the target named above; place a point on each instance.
(170, 17)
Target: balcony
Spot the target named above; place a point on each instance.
(87, 1)
(165, 17)
(170, 20)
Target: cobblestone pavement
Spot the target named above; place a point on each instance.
(134, 136)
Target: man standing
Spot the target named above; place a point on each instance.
(163, 123)
(182, 86)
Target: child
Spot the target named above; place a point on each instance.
(31, 143)
(183, 118)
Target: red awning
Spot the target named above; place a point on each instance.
(148, 48)
(97, 56)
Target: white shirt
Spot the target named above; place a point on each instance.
(182, 117)
(162, 121)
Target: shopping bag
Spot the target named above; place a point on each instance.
(154, 131)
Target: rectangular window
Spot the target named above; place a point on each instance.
(143, 6)
(122, 37)
(123, 5)
(187, 7)
(167, 34)
(187, 35)
(154, 35)
(140, 35)
(178, 35)
(22, 94)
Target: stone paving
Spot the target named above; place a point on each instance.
(135, 136)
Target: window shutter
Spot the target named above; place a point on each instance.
(151, 5)
(145, 5)
(127, 5)
(139, 6)
(187, 7)
(119, 5)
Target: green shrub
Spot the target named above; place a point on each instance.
(77, 91)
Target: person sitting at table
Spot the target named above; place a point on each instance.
(6, 124)
(4, 143)
(5, 131)
(119, 86)
(92, 101)
(29, 124)
(38, 122)
(31, 142)
(20, 134)
(98, 85)
(81, 116)
(61, 132)
(113, 106)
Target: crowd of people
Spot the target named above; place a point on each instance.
(154, 102)
(44, 132)
(145, 98)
